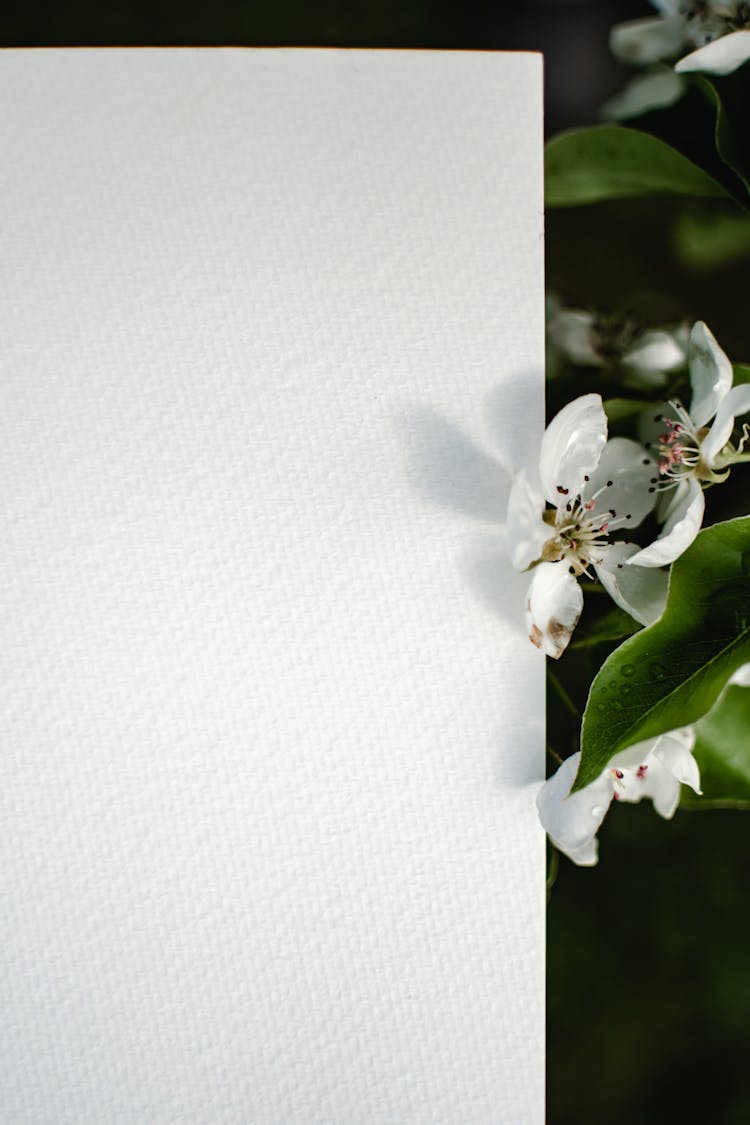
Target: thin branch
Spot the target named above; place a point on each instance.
(562, 694)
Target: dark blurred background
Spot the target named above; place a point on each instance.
(649, 980)
(571, 33)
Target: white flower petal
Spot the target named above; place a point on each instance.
(573, 821)
(571, 332)
(526, 531)
(653, 90)
(656, 768)
(651, 422)
(656, 351)
(571, 447)
(553, 606)
(685, 515)
(645, 41)
(668, 7)
(723, 56)
(710, 374)
(654, 781)
(640, 591)
(675, 751)
(742, 676)
(737, 401)
(623, 462)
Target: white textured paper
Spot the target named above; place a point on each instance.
(271, 337)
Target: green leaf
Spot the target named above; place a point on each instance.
(707, 239)
(729, 96)
(623, 415)
(612, 162)
(722, 750)
(611, 626)
(741, 373)
(671, 673)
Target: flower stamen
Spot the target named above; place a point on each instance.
(678, 452)
(582, 536)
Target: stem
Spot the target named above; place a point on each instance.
(554, 863)
(594, 588)
(562, 694)
(554, 754)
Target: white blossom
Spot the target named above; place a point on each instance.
(714, 33)
(690, 454)
(589, 339)
(561, 528)
(655, 768)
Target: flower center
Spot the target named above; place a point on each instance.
(706, 21)
(581, 531)
(619, 778)
(677, 449)
(613, 336)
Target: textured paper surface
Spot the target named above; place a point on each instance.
(271, 336)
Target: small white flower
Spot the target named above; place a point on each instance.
(654, 768)
(689, 453)
(716, 33)
(590, 339)
(589, 488)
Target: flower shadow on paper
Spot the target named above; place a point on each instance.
(450, 470)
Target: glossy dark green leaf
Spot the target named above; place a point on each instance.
(671, 673)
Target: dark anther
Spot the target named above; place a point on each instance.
(646, 460)
(609, 484)
(628, 516)
(658, 417)
(571, 570)
(586, 478)
(654, 480)
(619, 566)
(562, 491)
(652, 489)
(612, 512)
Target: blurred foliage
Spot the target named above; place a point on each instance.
(648, 982)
